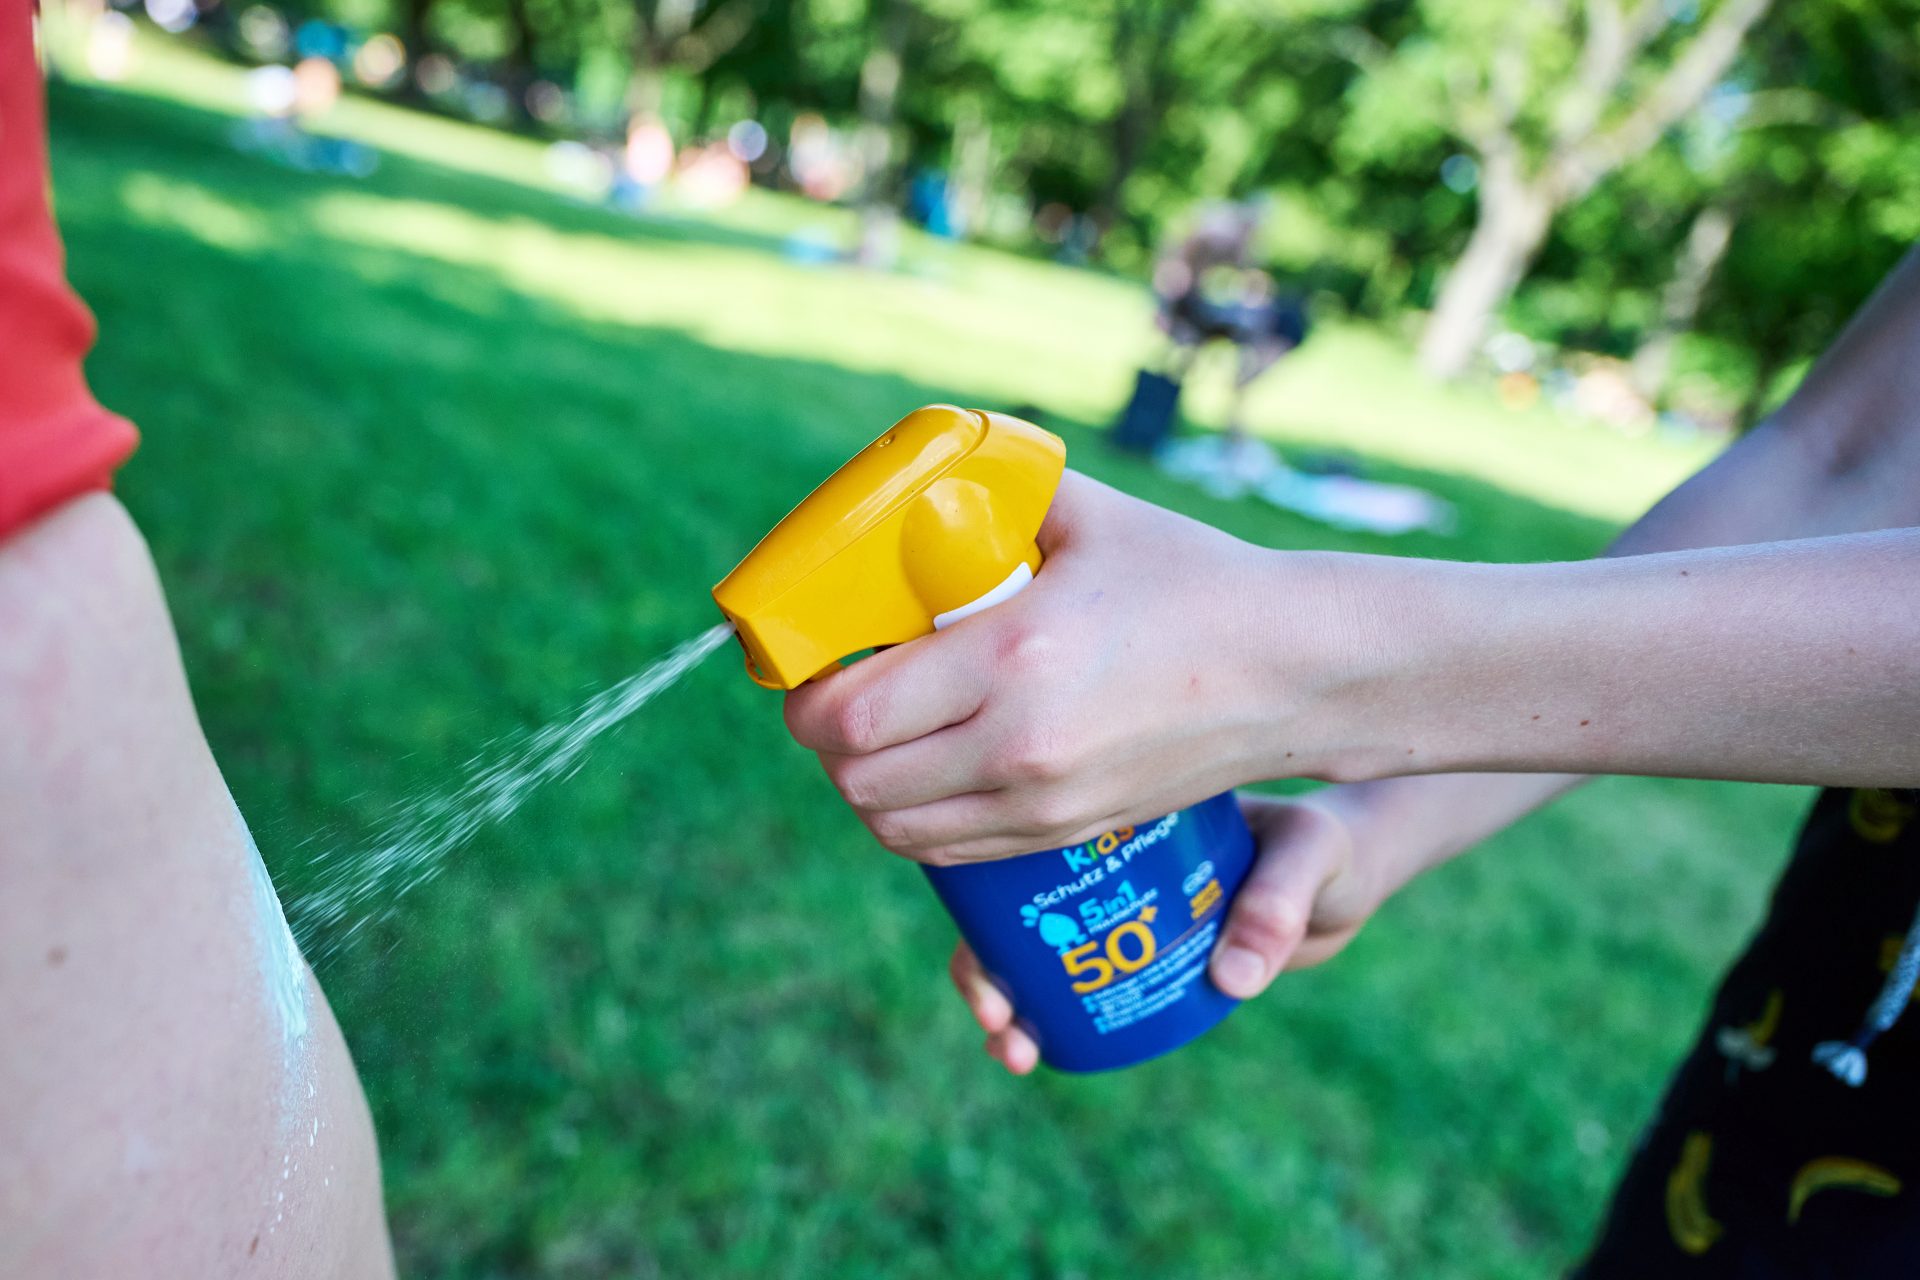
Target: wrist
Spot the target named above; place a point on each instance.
(1386, 852)
(1382, 663)
(1403, 827)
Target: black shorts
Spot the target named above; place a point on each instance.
(1764, 1161)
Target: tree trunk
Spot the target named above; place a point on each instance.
(1693, 268)
(1515, 211)
(1143, 39)
(1129, 124)
(518, 73)
(703, 109)
(646, 86)
(1509, 227)
(413, 38)
(880, 76)
(972, 168)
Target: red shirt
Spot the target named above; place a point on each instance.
(56, 442)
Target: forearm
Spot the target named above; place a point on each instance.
(1766, 487)
(1784, 662)
(1839, 457)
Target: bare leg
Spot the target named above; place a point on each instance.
(1251, 360)
(1179, 358)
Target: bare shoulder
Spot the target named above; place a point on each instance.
(176, 1096)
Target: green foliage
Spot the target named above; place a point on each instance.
(1811, 148)
(429, 455)
(1345, 112)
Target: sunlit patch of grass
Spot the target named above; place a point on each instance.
(1005, 328)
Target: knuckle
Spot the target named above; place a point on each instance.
(1036, 755)
(890, 829)
(856, 722)
(1266, 916)
(1027, 650)
(1048, 812)
(855, 786)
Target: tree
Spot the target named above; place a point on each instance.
(1700, 254)
(416, 39)
(1812, 152)
(1547, 105)
(880, 73)
(1144, 37)
(680, 35)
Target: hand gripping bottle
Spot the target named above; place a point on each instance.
(1102, 947)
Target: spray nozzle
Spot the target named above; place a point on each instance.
(932, 521)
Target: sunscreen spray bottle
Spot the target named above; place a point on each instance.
(1102, 947)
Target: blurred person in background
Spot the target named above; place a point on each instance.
(1263, 324)
(1206, 289)
(818, 159)
(1220, 241)
(710, 176)
(646, 163)
(316, 90)
(175, 1097)
(287, 104)
(931, 204)
(1760, 623)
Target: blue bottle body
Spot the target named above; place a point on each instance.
(1103, 947)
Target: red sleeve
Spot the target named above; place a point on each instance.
(56, 442)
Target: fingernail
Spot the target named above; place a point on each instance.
(1236, 969)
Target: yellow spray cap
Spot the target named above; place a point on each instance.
(934, 519)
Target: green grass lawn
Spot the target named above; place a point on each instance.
(430, 455)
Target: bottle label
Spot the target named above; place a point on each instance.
(1103, 946)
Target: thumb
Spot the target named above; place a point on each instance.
(1301, 849)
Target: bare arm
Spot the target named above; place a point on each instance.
(175, 1095)
(1780, 662)
(1841, 456)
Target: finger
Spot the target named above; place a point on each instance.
(1321, 947)
(948, 762)
(1268, 919)
(923, 831)
(988, 1004)
(1015, 1050)
(895, 696)
(978, 827)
